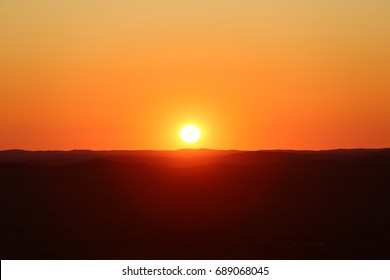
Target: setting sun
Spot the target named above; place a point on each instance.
(190, 133)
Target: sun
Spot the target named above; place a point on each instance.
(190, 133)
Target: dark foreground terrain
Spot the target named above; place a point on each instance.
(195, 204)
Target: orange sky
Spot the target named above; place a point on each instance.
(251, 74)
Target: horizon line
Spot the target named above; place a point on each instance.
(196, 149)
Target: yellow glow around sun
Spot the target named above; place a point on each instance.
(190, 133)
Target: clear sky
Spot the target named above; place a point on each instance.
(252, 74)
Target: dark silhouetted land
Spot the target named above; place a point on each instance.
(195, 204)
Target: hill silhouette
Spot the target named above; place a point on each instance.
(195, 204)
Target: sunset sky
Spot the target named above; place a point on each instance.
(251, 74)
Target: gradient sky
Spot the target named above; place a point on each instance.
(252, 74)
